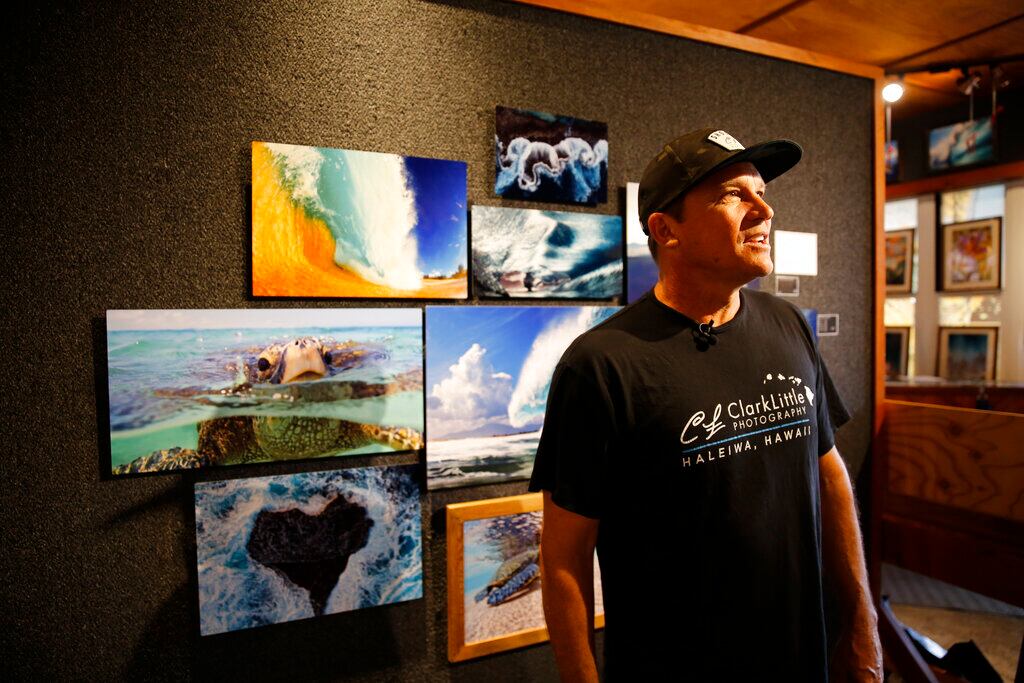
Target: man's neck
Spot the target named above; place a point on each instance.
(701, 301)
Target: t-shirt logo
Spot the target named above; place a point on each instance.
(772, 416)
(725, 141)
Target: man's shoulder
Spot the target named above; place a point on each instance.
(766, 304)
(769, 303)
(612, 337)
(775, 313)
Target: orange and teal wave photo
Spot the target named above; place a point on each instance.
(343, 223)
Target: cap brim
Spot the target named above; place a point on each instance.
(771, 159)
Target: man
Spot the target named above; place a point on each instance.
(689, 438)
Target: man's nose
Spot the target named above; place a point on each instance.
(762, 208)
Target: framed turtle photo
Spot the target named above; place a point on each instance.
(494, 578)
(200, 388)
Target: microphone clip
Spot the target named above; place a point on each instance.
(704, 335)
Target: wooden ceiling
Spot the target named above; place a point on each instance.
(926, 41)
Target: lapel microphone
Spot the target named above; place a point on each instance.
(704, 335)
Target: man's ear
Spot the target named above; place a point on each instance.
(663, 229)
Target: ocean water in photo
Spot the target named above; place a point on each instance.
(238, 592)
(164, 383)
(528, 253)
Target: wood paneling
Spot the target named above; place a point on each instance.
(999, 41)
(838, 34)
(882, 33)
(970, 560)
(662, 24)
(967, 459)
(1002, 399)
(704, 13)
(957, 181)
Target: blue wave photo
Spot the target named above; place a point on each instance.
(282, 548)
(489, 370)
(550, 158)
(529, 253)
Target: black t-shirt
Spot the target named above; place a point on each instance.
(701, 463)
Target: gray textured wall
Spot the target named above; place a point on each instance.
(126, 138)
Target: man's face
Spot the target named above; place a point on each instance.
(725, 225)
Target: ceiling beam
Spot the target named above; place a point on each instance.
(939, 67)
(772, 16)
(704, 34)
(954, 41)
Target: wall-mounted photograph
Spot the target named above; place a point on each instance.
(899, 261)
(200, 388)
(961, 144)
(282, 548)
(892, 161)
(531, 253)
(550, 158)
(489, 370)
(494, 579)
(971, 255)
(967, 353)
(897, 351)
(787, 285)
(641, 269)
(345, 223)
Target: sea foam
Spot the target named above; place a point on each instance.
(531, 393)
(366, 200)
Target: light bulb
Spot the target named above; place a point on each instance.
(892, 92)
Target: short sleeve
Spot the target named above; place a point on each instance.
(572, 456)
(832, 413)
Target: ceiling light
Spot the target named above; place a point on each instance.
(892, 92)
(969, 82)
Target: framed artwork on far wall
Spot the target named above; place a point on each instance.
(970, 256)
(961, 144)
(967, 353)
(899, 261)
(494, 595)
(897, 350)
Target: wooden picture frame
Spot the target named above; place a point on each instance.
(970, 256)
(959, 348)
(899, 261)
(897, 351)
(461, 648)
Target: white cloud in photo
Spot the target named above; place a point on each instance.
(471, 395)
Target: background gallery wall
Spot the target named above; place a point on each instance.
(129, 186)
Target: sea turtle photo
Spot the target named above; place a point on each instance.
(286, 377)
(513, 578)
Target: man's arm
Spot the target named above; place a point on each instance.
(858, 656)
(567, 580)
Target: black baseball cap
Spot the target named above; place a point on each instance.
(690, 158)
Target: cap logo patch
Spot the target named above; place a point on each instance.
(725, 141)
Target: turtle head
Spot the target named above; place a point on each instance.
(301, 360)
